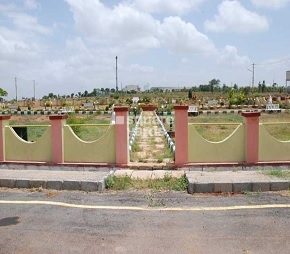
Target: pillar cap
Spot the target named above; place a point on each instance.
(58, 117)
(5, 117)
(181, 107)
(121, 109)
(251, 114)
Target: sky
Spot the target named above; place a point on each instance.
(69, 46)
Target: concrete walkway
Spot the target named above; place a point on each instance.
(94, 180)
(150, 142)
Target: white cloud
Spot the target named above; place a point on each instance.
(140, 68)
(272, 4)
(135, 30)
(26, 22)
(120, 23)
(229, 55)
(164, 6)
(182, 37)
(7, 7)
(14, 47)
(31, 4)
(233, 17)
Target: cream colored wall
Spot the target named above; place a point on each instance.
(17, 149)
(102, 150)
(271, 149)
(232, 149)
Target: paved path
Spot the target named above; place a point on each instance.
(151, 146)
(199, 181)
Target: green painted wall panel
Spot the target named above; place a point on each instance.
(17, 149)
(271, 149)
(102, 150)
(232, 149)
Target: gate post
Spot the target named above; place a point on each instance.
(122, 135)
(57, 122)
(252, 136)
(4, 121)
(181, 134)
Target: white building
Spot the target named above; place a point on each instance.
(130, 88)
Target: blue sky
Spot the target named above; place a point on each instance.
(68, 46)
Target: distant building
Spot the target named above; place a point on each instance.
(135, 99)
(166, 89)
(131, 88)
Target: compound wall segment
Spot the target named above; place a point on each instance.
(231, 149)
(122, 136)
(102, 150)
(17, 149)
(271, 149)
(4, 121)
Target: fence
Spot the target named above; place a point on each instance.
(59, 144)
(250, 143)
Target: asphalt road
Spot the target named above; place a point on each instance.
(143, 222)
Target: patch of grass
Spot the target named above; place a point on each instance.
(160, 160)
(166, 183)
(87, 133)
(136, 147)
(247, 192)
(278, 173)
(118, 183)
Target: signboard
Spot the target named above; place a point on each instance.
(287, 75)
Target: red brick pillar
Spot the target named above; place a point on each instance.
(122, 135)
(57, 122)
(252, 136)
(4, 121)
(181, 134)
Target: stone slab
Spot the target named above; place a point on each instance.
(141, 174)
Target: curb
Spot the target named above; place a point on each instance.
(69, 185)
(237, 187)
(234, 182)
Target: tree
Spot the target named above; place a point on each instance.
(189, 94)
(3, 92)
(214, 83)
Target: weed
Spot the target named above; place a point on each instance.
(278, 173)
(136, 147)
(39, 189)
(52, 193)
(247, 192)
(156, 203)
(118, 183)
(166, 183)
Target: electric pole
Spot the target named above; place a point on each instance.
(34, 89)
(16, 88)
(117, 74)
(253, 76)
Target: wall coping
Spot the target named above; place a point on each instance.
(180, 107)
(3, 117)
(121, 109)
(251, 114)
(58, 117)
